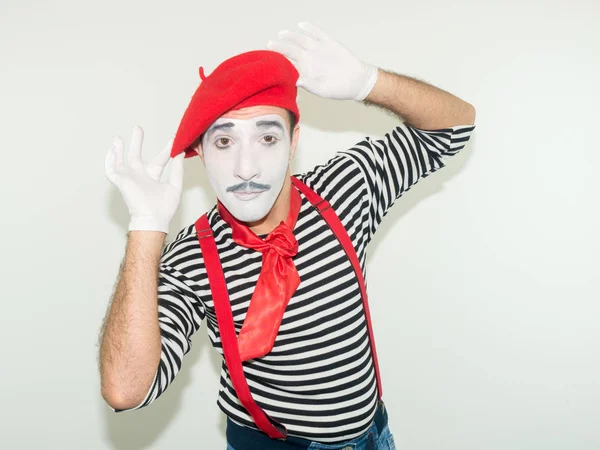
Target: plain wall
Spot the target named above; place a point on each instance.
(483, 279)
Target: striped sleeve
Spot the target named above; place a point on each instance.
(392, 165)
(180, 314)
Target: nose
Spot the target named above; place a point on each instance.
(246, 165)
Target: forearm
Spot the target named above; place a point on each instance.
(131, 343)
(420, 104)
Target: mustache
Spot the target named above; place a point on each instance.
(248, 185)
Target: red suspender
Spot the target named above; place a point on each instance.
(341, 234)
(216, 280)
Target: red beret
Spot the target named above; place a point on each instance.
(259, 77)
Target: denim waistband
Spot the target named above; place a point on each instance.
(245, 438)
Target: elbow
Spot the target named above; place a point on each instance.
(119, 397)
(471, 114)
(118, 401)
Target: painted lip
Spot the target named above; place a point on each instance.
(248, 195)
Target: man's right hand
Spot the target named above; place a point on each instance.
(152, 203)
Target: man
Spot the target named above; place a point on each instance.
(276, 267)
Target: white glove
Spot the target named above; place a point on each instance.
(151, 204)
(326, 67)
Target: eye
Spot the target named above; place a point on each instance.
(222, 142)
(270, 139)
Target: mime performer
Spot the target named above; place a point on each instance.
(276, 268)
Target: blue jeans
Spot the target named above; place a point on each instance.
(383, 441)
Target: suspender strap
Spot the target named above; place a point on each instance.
(341, 234)
(218, 287)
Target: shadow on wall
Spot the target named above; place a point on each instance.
(134, 430)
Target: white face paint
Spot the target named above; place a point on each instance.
(247, 161)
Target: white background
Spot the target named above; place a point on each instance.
(483, 279)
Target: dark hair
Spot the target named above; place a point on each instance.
(292, 118)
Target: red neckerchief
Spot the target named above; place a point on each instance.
(276, 283)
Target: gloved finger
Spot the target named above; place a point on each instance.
(135, 146)
(176, 175)
(292, 51)
(313, 31)
(301, 39)
(109, 164)
(156, 167)
(119, 157)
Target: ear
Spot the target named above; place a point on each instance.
(295, 137)
(198, 149)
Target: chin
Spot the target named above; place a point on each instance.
(250, 216)
(248, 211)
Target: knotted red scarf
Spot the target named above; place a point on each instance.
(277, 281)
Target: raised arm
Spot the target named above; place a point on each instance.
(130, 341)
(437, 124)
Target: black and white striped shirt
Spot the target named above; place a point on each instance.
(319, 379)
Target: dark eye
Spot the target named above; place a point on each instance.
(222, 142)
(270, 139)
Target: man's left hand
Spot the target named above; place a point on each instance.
(326, 67)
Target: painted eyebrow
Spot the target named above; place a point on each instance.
(214, 128)
(270, 123)
(260, 123)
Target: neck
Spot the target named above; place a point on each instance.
(278, 212)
